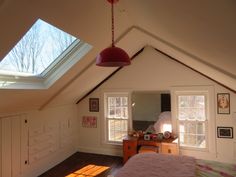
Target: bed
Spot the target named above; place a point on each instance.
(164, 165)
(158, 165)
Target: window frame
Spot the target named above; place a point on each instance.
(62, 62)
(70, 57)
(106, 124)
(208, 92)
(195, 93)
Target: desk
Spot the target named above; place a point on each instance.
(131, 146)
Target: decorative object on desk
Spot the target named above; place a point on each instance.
(159, 136)
(146, 137)
(173, 135)
(140, 133)
(89, 121)
(150, 129)
(225, 132)
(154, 137)
(135, 134)
(131, 133)
(167, 134)
(223, 103)
(94, 104)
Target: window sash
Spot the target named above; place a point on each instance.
(192, 107)
(192, 137)
(192, 121)
(117, 116)
(117, 129)
(117, 107)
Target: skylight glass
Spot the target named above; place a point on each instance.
(38, 51)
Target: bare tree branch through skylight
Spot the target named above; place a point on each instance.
(37, 50)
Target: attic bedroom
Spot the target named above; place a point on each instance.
(74, 118)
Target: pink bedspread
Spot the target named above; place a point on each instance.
(158, 165)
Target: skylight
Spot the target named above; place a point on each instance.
(43, 55)
(36, 51)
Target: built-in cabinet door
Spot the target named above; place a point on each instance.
(15, 146)
(12, 142)
(6, 146)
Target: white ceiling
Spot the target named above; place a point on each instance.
(202, 29)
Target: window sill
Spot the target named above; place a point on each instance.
(116, 144)
(193, 149)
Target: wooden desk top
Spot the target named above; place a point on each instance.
(141, 141)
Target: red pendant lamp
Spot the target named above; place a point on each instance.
(112, 56)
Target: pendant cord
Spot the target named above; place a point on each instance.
(112, 22)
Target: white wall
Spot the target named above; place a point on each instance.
(41, 140)
(226, 148)
(153, 71)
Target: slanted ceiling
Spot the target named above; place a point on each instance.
(198, 33)
(1, 1)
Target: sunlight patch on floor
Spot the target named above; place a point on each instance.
(88, 171)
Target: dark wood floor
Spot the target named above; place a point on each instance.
(87, 164)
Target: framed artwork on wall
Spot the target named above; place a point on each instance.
(89, 121)
(94, 104)
(223, 103)
(225, 132)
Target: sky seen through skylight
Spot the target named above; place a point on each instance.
(40, 47)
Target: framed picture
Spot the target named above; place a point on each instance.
(94, 104)
(223, 103)
(89, 121)
(225, 132)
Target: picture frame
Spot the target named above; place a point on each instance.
(225, 132)
(94, 104)
(89, 121)
(223, 103)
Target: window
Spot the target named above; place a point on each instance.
(192, 120)
(38, 48)
(117, 116)
(40, 57)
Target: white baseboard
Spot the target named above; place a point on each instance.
(105, 151)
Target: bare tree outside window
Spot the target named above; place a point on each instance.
(40, 46)
(63, 41)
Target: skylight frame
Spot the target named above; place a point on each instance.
(60, 59)
(61, 64)
(36, 82)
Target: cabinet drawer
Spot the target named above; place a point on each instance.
(130, 146)
(129, 149)
(148, 143)
(169, 148)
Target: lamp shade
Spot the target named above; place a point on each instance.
(112, 57)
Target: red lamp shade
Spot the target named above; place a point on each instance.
(113, 57)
